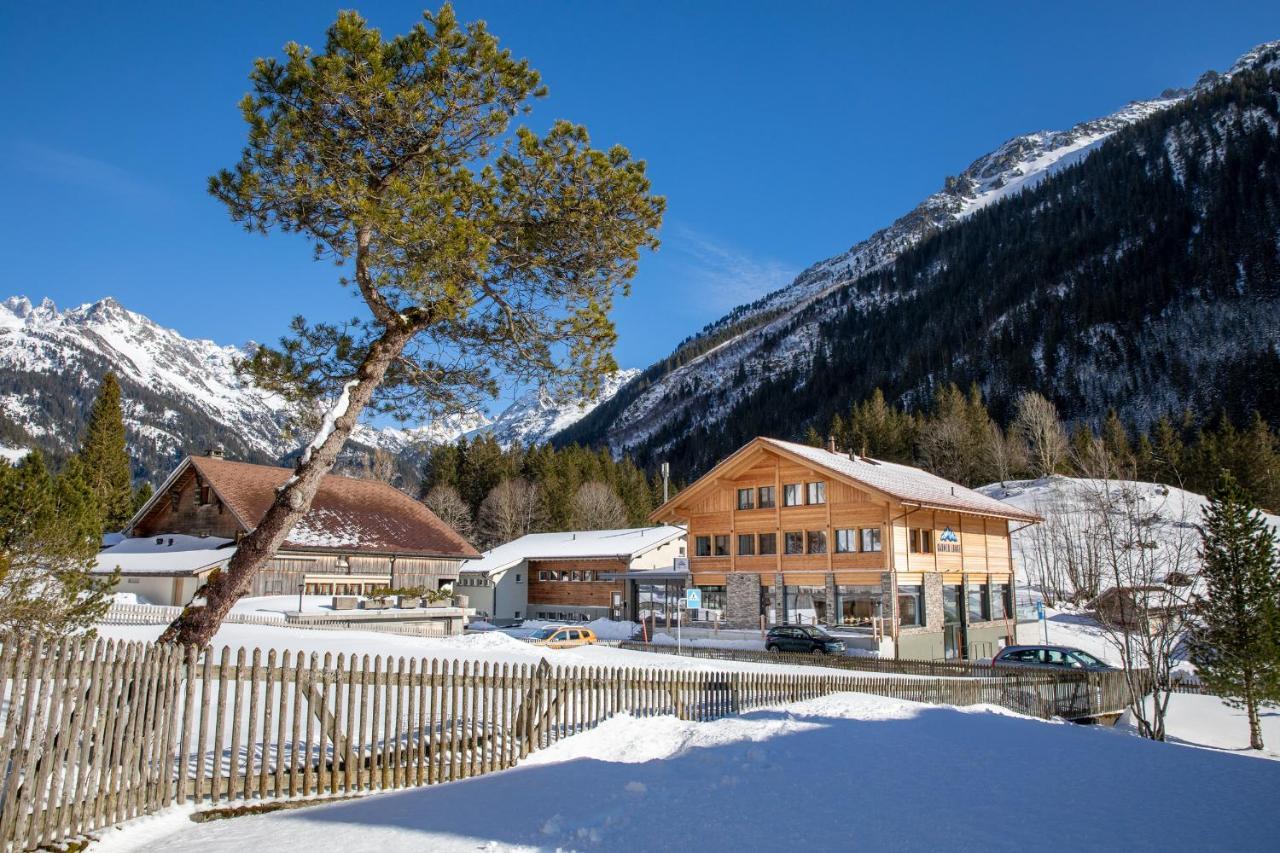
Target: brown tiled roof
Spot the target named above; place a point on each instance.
(346, 515)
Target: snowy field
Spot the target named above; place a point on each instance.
(493, 646)
(839, 773)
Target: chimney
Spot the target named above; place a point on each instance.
(831, 444)
(216, 452)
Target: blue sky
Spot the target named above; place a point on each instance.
(780, 133)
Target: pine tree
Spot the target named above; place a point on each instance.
(141, 495)
(106, 459)
(1236, 649)
(50, 531)
(1115, 439)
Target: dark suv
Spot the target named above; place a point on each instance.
(805, 639)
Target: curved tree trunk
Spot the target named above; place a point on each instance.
(198, 623)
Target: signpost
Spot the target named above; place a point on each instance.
(1043, 621)
(692, 601)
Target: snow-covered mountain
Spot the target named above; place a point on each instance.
(183, 395)
(710, 372)
(536, 415)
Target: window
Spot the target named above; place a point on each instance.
(1001, 606)
(574, 575)
(921, 540)
(767, 497)
(910, 611)
(846, 542)
(793, 542)
(870, 539)
(951, 597)
(713, 599)
(817, 493)
(746, 545)
(746, 498)
(858, 605)
(805, 605)
(978, 611)
(816, 542)
(791, 494)
(768, 543)
(588, 575)
(702, 546)
(722, 545)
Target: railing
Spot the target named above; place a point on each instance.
(95, 733)
(1036, 691)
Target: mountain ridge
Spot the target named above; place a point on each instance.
(710, 372)
(184, 394)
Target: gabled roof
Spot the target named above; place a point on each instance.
(346, 515)
(902, 484)
(164, 556)
(625, 544)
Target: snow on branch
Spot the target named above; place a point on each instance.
(330, 420)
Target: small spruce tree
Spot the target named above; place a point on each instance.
(1236, 647)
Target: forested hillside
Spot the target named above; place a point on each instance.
(1145, 278)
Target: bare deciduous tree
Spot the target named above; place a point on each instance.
(450, 508)
(596, 506)
(1040, 430)
(1145, 538)
(512, 509)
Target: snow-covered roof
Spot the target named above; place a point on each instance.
(626, 544)
(168, 555)
(907, 484)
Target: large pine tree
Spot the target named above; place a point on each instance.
(105, 459)
(1236, 647)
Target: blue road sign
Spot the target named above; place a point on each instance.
(693, 598)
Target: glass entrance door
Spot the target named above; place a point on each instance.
(952, 622)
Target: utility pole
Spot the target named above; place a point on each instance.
(666, 481)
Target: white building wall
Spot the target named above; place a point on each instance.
(661, 557)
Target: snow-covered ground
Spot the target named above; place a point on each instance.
(492, 646)
(843, 772)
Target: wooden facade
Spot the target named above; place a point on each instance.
(822, 528)
(192, 506)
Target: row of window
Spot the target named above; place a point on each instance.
(848, 541)
(566, 575)
(793, 494)
(560, 616)
(982, 602)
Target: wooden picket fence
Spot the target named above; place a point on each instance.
(95, 733)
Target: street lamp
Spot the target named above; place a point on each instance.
(301, 587)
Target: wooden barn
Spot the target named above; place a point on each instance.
(359, 535)
(787, 533)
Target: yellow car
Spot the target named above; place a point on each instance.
(561, 637)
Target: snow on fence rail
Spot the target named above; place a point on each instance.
(158, 614)
(94, 733)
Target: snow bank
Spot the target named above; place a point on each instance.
(838, 773)
(1208, 721)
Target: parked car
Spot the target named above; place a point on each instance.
(562, 637)
(1045, 656)
(806, 639)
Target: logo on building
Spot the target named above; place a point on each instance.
(948, 542)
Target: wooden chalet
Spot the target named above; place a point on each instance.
(787, 533)
(359, 535)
